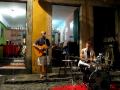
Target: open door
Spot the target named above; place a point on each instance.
(104, 26)
(104, 33)
(76, 25)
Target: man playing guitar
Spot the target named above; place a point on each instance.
(41, 50)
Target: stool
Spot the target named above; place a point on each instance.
(68, 63)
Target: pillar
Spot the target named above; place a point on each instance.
(41, 22)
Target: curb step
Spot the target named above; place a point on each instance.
(17, 64)
(12, 67)
(18, 61)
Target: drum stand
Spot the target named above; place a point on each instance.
(99, 60)
(96, 69)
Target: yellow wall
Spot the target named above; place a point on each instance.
(40, 23)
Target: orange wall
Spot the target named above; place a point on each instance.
(40, 23)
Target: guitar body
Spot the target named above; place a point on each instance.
(40, 50)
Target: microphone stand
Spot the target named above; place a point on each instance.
(46, 66)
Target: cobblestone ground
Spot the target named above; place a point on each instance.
(34, 84)
(31, 86)
(30, 82)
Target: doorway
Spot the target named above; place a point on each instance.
(65, 32)
(104, 26)
(13, 28)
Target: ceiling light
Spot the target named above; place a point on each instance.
(13, 11)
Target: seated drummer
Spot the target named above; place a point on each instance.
(87, 54)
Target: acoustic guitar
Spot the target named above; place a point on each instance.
(40, 49)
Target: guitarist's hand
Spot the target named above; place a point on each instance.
(34, 44)
(40, 49)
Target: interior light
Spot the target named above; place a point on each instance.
(13, 11)
(71, 25)
(58, 24)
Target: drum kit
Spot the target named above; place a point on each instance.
(98, 78)
(96, 73)
(97, 64)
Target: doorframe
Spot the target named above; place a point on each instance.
(72, 5)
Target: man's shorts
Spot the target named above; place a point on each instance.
(43, 60)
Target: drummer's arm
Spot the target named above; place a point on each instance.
(82, 55)
(93, 58)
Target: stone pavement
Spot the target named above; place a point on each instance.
(30, 86)
(30, 78)
(31, 82)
